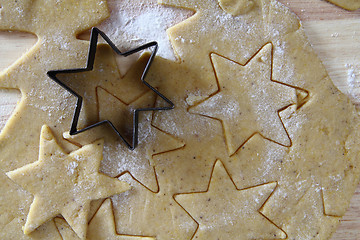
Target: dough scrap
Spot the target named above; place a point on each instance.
(351, 5)
(64, 183)
(224, 210)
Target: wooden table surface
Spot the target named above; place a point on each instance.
(334, 34)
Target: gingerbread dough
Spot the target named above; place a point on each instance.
(257, 120)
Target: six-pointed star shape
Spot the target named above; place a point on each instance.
(64, 183)
(225, 212)
(90, 63)
(248, 100)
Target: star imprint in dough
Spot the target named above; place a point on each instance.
(225, 212)
(64, 183)
(248, 101)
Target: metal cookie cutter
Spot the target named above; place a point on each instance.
(90, 64)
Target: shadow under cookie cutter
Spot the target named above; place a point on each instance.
(89, 66)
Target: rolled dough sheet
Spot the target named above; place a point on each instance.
(258, 125)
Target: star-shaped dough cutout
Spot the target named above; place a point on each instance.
(248, 100)
(64, 183)
(225, 212)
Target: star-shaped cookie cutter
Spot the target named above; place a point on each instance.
(89, 66)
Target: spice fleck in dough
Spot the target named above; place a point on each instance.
(304, 166)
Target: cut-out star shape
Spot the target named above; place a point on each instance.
(89, 67)
(225, 212)
(64, 183)
(248, 100)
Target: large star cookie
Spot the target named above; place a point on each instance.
(64, 183)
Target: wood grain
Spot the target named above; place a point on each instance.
(334, 34)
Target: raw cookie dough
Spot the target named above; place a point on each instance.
(347, 4)
(307, 180)
(101, 226)
(219, 214)
(40, 103)
(64, 183)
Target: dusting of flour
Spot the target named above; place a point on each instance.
(137, 22)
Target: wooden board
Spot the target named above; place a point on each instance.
(334, 34)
